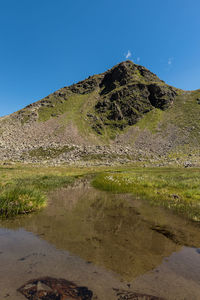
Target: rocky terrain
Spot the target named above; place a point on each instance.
(124, 115)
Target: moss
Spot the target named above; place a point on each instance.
(49, 152)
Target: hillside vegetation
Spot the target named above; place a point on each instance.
(123, 115)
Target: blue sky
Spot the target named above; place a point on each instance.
(48, 44)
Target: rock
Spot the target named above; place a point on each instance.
(175, 196)
(127, 97)
(43, 287)
(55, 289)
(122, 294)
(187, 164)
(161, 96)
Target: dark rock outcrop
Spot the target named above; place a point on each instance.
(123, 295)
(161, 96)
(126, 80)
(47, 288)
(128, 91)
(86, 86)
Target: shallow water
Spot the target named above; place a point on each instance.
(103, 241)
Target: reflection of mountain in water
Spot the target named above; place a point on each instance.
(115, 231)
(106, 229)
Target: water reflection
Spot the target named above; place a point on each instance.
(116, 232)
(113, 231)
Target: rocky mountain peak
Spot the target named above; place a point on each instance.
(118, 75)
(125, 73)
(128, 91)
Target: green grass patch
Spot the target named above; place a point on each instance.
(79, 110)
(102, 157)
(27, 194)
(72, 106)
(73, 110)
(15, 200)
(45, 182)
(184, 114)
(24, 188)
(151, 120)
(49, 152)
(175, 189)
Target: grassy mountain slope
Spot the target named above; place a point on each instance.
(127, 110)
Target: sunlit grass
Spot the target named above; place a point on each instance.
(16, 200)
(24, 189)
(44, 182)
(27, 194)
(22, 193)
(176, 189)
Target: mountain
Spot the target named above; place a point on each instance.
(122, 115)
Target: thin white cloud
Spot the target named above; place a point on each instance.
(128, 55)
(138, 59)
(170, 59)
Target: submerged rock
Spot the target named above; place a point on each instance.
(126, 295)
(48, 288)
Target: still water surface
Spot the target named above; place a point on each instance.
(102, 241)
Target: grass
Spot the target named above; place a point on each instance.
(74, 111)
(151, 120)
(25, 194)
(61, 106)
(79, 110)
(15, 201)
(44, 182)
(48, 153)
(183, 114)
(175, 189)
(24, 189)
